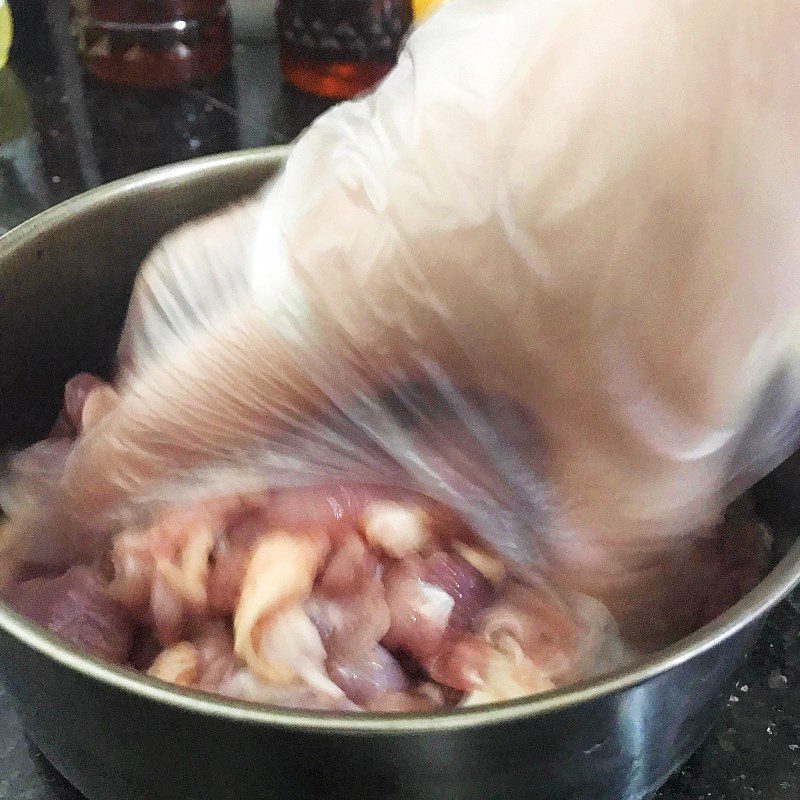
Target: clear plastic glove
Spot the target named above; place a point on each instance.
(548, 273)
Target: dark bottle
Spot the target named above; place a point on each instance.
(339, 48)
(152, 43)
(29, 22)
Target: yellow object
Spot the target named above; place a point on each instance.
(5, 32)
(15, 111)
(424, 8)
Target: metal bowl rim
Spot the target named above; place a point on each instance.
(773, 588)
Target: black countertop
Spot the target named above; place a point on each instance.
(76, 133)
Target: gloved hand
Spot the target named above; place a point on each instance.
(547, 273)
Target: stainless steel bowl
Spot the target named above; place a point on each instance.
(65, 277)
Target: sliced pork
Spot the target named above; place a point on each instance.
(78, 607)
(338, 598)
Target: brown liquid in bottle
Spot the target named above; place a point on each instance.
(152, 43)
(340, 48)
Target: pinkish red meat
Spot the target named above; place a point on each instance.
(214, 642)
(461, 663)
(228, 568)
(470, 590)
(231, 554)
(419, 611)
(168, 612)
(162, 574)
(364, 679)
(350, 567)
(349, 605)
(351, 626)
(134, 568)
(432, 599)
(334, 508)
(328, 508)
(77, 607)
(353, 595)
(401, 703)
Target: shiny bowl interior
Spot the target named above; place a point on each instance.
(30, 271)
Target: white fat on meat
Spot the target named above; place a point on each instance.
(397, 529)
(188, 578)
(280, 575)
(509, 674)
(433, 603)
(491, 567)
(291, 645)
(182, 543)
(179, 664)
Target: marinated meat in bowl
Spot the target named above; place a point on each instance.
(345, 598)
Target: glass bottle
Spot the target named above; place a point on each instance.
(152, 43)
(340, 48)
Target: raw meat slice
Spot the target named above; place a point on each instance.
(280, 574)
(336, 597)
(420, 612)
(431, 599)
(470, 590)
(508, 675)
(461, 663)
(204, 661)
(349, 567)
(334, 508)
(179, 664)
(349, 604)
(367, 678)
(214, 642)
(133, 566)
(246, 685)
(77, 607)
(164, 571)
(290, 649)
